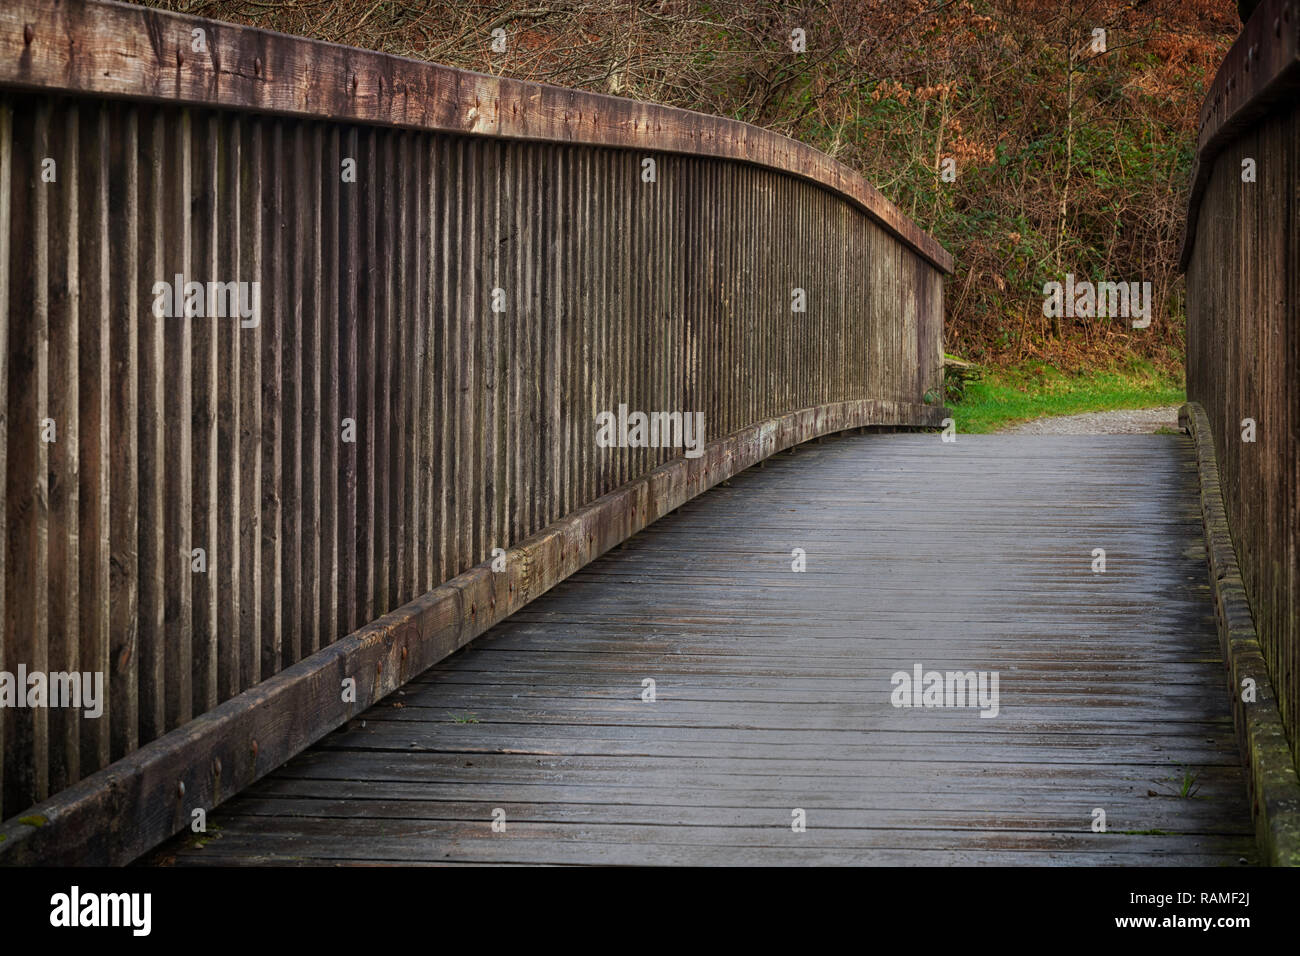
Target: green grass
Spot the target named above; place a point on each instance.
(1009, 396)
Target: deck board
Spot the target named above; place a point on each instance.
(773, 687)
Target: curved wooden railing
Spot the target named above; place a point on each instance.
(1241, 255)
(394, 445)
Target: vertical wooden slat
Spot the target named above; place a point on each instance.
(227, 578)
(710, 305)
(482, 264)
(662, 211)
(469, 319)
(629, 290)
(778, 307)
(802, 321)
(175, 462)
(727, 291)
(795, 322)
(570, 381)
(616, 270)
(526, 324)
(537, 321)
(722, 274)
(635, 277)
(294, 289)
(1290, 403)
(252, 251)
(276, 312)
(676, 225)
(819, 295)
(747, 225)
(430, 407)
(508, 277)
(594, 290)
(740, 368)
(652, 331)
(758, 290)
(414, 321)
(645, 258)
(672, 201)
(492, 484)
(708, 301)
(771, 302)
(561, 283)
(206, 334)
(803, 278)
(329, 224)
(351, 215)
(484, 261)
(594, 321)
(852, 315)
(533, 319)
(153, 397)
(446, 352)
(327, 331)
(127, 313)
(585, 409)
(62, 408)
(519, 426)
(26, 754)
(399, 357)
(6, 211)
(730, 381)
(819, 250)
(384, 461)
(689, 298)
(701, 306)
(370, 175)
(311, 399)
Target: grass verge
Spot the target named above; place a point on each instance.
(1011, 395)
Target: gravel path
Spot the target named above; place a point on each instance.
(1132, 421)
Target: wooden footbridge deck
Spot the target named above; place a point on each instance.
(773, 687)
(343, 407)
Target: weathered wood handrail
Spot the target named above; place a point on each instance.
(391, 446)
(1241, 254)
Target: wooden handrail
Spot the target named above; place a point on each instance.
(140, 53)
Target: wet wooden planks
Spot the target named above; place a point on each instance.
(772, 687)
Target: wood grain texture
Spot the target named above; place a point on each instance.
(155, 564)
(206, 343)
(773, 687)
(123, 336)
(6, 172)
(63, 409)
(26, 753)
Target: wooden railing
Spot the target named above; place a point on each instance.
(455, 276)
(1242, 258)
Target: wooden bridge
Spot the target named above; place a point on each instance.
(773, 688)
(322, 383)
